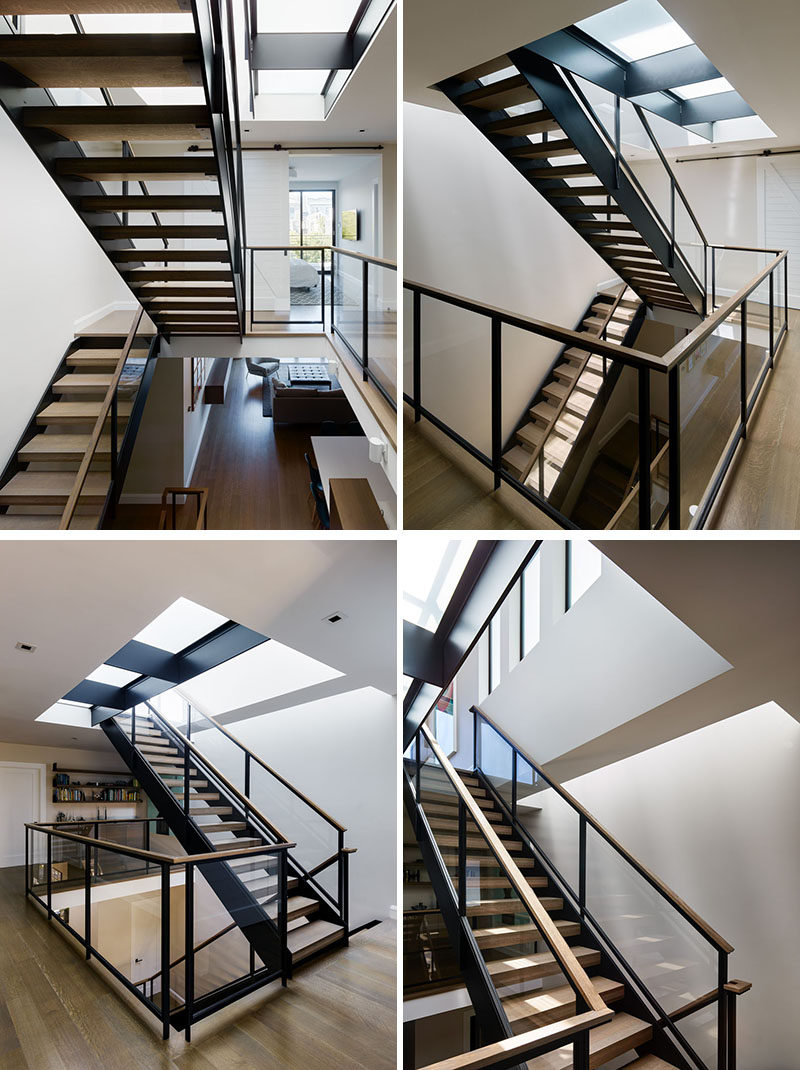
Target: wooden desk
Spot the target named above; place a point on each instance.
(347, 457)
(353, 506)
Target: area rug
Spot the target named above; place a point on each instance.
(266, 397)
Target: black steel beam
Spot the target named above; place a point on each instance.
(302, 52)
(422, 654)
(715, 107)
(579, 53)
(681, 66)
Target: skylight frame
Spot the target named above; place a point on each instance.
(172, 619)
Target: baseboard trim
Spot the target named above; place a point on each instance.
(114, 306)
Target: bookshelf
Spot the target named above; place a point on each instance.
(71, 787)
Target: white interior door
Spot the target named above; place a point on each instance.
(780, 214)
(21, 788)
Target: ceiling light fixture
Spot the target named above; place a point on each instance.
(26, 648)
(334, 618)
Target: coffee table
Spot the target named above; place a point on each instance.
(308, 375)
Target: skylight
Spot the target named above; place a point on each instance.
(108, 674)
(663, 38)
(636, 29)
(703, 89)
(180, 625)
(71, 714)
(292, 81)
(432, 567)
(306, 16)
(268, 671)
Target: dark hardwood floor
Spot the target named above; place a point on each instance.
(256, 474)
(59, 1013)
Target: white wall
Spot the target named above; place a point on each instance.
(714, 814)
(266, 191)
(158, 453)
(475, 227)
(52, 274)
(341, 753)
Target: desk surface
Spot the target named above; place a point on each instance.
(347, 457)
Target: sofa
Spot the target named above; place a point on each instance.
(308, 404)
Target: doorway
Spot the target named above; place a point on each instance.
(21, 800)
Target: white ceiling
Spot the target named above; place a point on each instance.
(79, 601)
(368, 103)
(740, 597)
(753, 48)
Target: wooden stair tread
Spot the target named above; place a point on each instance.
(94, 358)
(153, 122)
(606, 1042)
(155, 231)
(132, 256)
(77, 411)
(156, 202)
(532, 434)
(502, 882)
(220, 826)
(544, 411)
(530, 967)
(649, 1062)
(309, 938)
(543, 150)
(579, 404)
(508, 935)
(110, 60)
(63, 448)
(552, 1004)
(97, 7)
(37, 522)
(52, 488)
(146, 168)
(236, 843)
(533, 122)
(576, 191)
(483, 70)
(482, 907)
(496, 96)
(297, 906)
(556, 389)
(517, 457)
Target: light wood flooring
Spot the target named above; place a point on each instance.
(438, 493)
(763, 488)
(59, 1013)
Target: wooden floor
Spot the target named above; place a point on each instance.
(763, 490)
(438, 494)
(256, 474)
(58, 1013)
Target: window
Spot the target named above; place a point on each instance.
(444, 721)
(432, 567)
(312, 216)
(584, 564)
(530, 600)
(495, 652)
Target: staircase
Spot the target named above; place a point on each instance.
(37, 482)
(532, 983)
(560, 410)
(186, 274)
(536, 115)
(206, 813)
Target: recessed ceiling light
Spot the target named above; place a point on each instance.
(26, 648)
(334, 618)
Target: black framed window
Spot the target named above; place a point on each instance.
(312, 220)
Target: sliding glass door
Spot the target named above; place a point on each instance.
(312, 221)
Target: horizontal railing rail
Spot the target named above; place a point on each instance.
(169, 510)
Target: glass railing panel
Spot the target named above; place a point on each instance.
(700, 1030)
(554, 827)
(674, 961)
(126, 915)
(779, 299)
(456, 370)
(348, 305)
(270, 285)
(221, 752)
(734, 268)
(430, 961)
(439, 800)
(496, 760)
(37, 864)
(710, 407)
(382, 327)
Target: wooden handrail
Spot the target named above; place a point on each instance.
(187, 743)
(154, 856)
(94, 438)
(200, 493)
(378, 260)
(634, 489)
(278, 777)
(329, 861)
(684, 348)
(683, 908)
(635, 357)
(518, 1049)
(564, 954)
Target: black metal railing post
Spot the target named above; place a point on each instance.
(617, 140)
(189, 949)
(186, 781)
(365, 319)
(514, 784)
(49, 876)
(743, 370)
(674, 416)
(672, 221)
(772, 319)
(333, 286)
(189, 723)
(705, 278)
(462, 858)
(478, 755)
(730, 1016)
(345, 895)
(644, 449)
(247, 774)
(580, 1051)
(416, 353)
(582, 864)
(497, 399)
(27, 861)
(282, 917)
(340, 873)
(722, 1012)
(165, 890)
(114, 413)
(133, 727)
(87, 903)
(786, 291)
(713, 277)
(418, 772)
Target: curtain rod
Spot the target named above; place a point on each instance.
(312, 148)
(738, 155)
